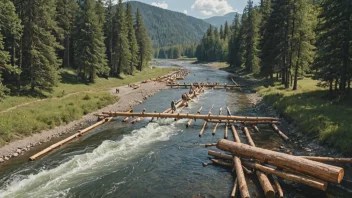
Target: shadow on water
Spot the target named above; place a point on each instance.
(158, 159)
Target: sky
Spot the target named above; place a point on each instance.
(201, 8)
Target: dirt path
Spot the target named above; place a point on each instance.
(128, 98)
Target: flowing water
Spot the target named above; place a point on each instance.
(149, 159)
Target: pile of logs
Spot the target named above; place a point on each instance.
(206, 85)
(269, 165)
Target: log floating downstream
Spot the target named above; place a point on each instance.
(58, 144)
(277, 130)
(316, 169)
(205, 122)
(191, 119)
(328, 159)
(217, 124)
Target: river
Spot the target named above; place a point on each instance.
(150, 159)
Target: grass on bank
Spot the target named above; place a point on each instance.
(69, 101)
(312, 112)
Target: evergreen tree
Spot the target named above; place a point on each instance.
(65, 17)
(109, 32)
(221, 32)
(234, 55)
(334, 42)
(144, 42)
(252, 39)
(11, 30)
(226, 31)
(122, 55)
(39, 44)
(89, 46)
(133, 46)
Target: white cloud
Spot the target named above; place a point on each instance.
(185, 12)
(212, 7)
(160, 5)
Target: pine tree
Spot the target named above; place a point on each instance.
(334, 54)
(89, 46)
(109, 32)
(234, 55)
(122, 55)
(39, 44)
(65, 17)
(144, 42)
(252, 36)
(10, 33)
(133, 46)
(226, 31)
(221, 32)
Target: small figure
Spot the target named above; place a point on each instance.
(117, 91)
(173, 106)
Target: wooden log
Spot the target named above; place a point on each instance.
(235, 134)
(191, 119)
(220, 155)
(248, 172)
(217, 124)
(265, 183)
(279, 190)
(244, 123)
(205, 85)
(316, 169)
(208, 145)
(195, 116)
(60, 143)
(249, 138)
(255, 128)
(277, 130)
(205, 122)
(221, 163)
(233, 193)
(226, 133)
(316, 183)
(241, 179)
(328, 159)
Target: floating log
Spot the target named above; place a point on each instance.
(221, 162)
(220, 155)
(277, 130)
(328, 159)
(248, 172)
(243, 123)
(279, 190)
(226, 129)
(316, 169)
(205, 122)
(234, 82)
(241, 179)
(208, 145)
(316, 183)
(191, 119)
(249, 138)
(205, 85)
(195, 116)
(265, 183)
(235, 134)
(233, 193)
(217, 124)
(255, 128)
(60, 143)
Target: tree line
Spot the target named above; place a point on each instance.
(177, 51)
(289, 38)
(93, 37)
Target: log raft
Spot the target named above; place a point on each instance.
(316, 169)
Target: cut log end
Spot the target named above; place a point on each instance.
(341, 175)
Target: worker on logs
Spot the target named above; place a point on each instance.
(191, 90)
(173, 106)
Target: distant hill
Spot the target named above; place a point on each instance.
(168, 28)
(217, 21)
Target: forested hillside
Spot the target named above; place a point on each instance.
(39, 37)
(217, 21)
(168, 28)
(290, 39)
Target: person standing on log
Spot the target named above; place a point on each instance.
(173, 106)
(185, 99)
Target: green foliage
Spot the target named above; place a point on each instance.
(133, 45)
(168, 28)
(89, 45)
(143, 41)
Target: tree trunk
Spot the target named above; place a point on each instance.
(316, 169)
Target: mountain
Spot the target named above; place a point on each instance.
(217, 21)
(168, 28)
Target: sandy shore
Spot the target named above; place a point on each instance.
(128, 97)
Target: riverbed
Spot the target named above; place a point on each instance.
(152, 159)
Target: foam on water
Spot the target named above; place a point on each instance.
(109, 156)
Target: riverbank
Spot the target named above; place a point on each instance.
(48, 119)
(308, 110)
